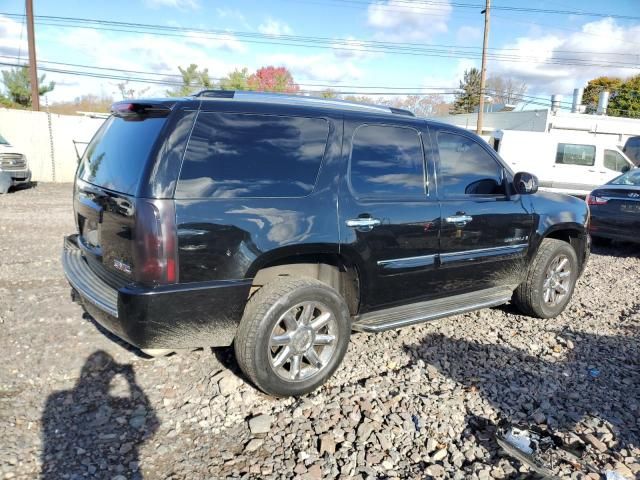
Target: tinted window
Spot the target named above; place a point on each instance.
(387, 162)
(466, 168)
(632, 149)
(614, 161)
(118, 153)
(571, 154)
(236, 155)
(632, 177)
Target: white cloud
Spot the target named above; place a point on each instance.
(10, 43)
(274, 27)
(320, 67)
(352, 48)
(179, 4)
(400, 20)
(599, 44)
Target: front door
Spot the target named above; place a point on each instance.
(388, 214)
(485, 233)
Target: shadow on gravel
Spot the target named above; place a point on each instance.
(95, 429)
(598, 380)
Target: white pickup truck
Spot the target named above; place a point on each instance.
(565, 162)
(14, 170)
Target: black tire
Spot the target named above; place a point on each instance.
(601, 241)
(529, 297)
(264, 311)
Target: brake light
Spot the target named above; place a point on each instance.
(596, 200)
(140, 110)
(156, 258)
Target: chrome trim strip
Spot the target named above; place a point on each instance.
(407, 262)
(469, 255)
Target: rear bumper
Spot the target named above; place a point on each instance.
(204, 314)
(625, 231)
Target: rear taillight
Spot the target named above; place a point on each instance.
(596, 200)
(156, 258)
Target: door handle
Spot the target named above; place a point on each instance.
(366, 223)
(460, 220)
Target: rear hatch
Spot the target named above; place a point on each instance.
(124, 238)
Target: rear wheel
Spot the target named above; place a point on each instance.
(293, 335)
(550, 280)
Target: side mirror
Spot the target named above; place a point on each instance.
(626, 168)
(525, 183)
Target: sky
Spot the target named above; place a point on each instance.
(533, 47)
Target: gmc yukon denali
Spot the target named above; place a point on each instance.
(280, 224)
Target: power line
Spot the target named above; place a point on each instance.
(359, 46)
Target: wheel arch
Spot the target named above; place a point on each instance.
(324, 265)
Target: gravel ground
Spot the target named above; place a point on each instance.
(419, 402)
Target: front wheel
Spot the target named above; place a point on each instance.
(550, 280)
(293, 335)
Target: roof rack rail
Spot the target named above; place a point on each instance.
(215, 93)
(292, 99)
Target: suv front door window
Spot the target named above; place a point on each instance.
(484, 233)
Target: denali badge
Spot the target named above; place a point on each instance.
(123, 267)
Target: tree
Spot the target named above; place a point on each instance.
(129, 92)
(272, 79)
(469, 97)
(192, 80)
(593, 89)
(236, 80)
(328, 93)
(507, 91)
(625, 101)
(421, 105)
(18, 85)
(360, 99)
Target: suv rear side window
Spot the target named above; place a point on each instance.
(387, 162)
(466, 168)
(572, 154)
(234, 155)
(117, 154)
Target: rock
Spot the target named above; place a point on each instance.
(539, 418)
(432, 444)
(597, 444)
(229, 384)
(137, 421)
(260, 424)
(439, 455)
(327, 444)
(364, 431)
(436, 471)
(313, 473)
(253, 445)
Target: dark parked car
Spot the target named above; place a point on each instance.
(279, 224)
(615, 209)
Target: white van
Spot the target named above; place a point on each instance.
(566, 162)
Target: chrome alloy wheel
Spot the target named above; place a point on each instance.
(557, 280)
(302, 341)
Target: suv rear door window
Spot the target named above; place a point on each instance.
(117, 154)
(387, 162)
(234, 155)
(572, 154)
(466, 168)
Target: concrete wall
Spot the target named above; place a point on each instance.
(50, 151)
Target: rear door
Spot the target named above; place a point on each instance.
(484, 233)
(388, 213)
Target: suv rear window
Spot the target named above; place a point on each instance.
(118, 153)
(234, 155)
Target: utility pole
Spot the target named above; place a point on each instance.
(33, 69)
(483, 70)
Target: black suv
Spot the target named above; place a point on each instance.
(280, 224)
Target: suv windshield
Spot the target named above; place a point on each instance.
(632, 177)
(117, 154)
